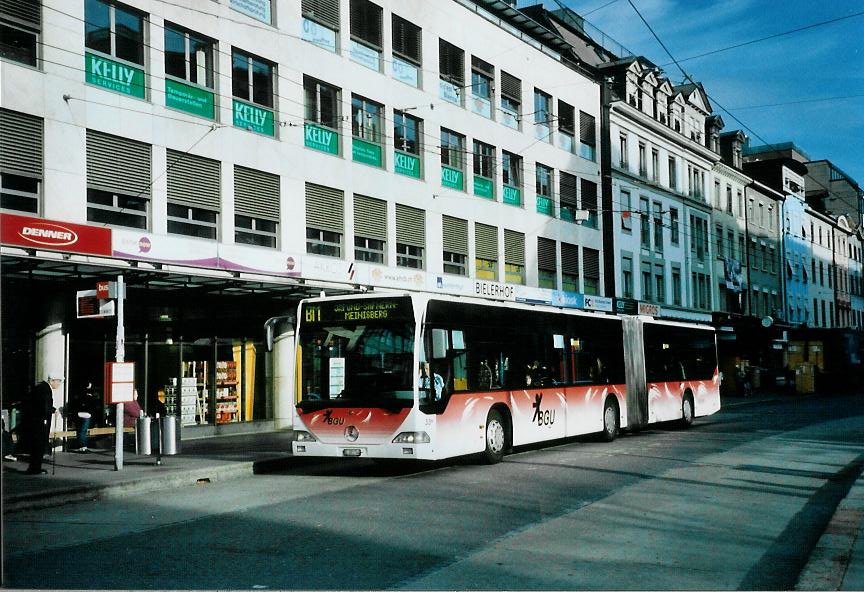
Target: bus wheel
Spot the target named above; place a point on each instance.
(687, 411)
(496, 437)
(610, 420)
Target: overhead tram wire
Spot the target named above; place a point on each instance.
(760, 39)
(712, 98)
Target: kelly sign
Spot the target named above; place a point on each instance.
(50, 235)
(114, 75)
(319, 138)
(253, 118)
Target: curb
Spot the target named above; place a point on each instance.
(175, 478)
(829, 562)
(89, 492)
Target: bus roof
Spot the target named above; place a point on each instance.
(424, 298)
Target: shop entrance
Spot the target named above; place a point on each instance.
(208, 381)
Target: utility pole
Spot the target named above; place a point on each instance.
(119, 357)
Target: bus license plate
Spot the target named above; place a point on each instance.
(352, 451)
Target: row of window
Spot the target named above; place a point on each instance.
(822, 274)
(115, 40)
(325, 231)
(695, 181)
(652, 281)
(322, 115)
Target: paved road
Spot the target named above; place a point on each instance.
(736, 502)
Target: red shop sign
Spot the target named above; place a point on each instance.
(51, 235)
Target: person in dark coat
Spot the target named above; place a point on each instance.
(83, 409)
(36, 414)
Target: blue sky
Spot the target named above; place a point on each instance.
(819, 63)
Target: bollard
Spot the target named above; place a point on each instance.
(142, 435)
(169, 435)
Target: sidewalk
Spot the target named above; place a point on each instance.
(76, 477)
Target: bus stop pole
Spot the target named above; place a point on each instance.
(119, 357)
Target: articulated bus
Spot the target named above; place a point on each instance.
(421, 376)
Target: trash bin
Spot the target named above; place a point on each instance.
(169, 435)
(142, 435)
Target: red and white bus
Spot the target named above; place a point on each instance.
(418, 376)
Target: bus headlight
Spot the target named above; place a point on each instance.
(412, 438)
(301, 436)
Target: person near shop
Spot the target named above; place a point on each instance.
(8, 445)
(36, 412)
(131, 412)
(83, 409)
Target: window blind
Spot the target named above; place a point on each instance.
(451, 63)
(514, 247)
(367, 22)
(21, 141)
(546, 259)
(455, 234)
(118, 165)
(370, 217)
(325, 12)
(570, 259)
(256, 193)
(193, 180)
(486, 241)
(410, 226)
(406, 40)
(325, 208)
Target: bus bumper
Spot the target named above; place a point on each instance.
(389, 451)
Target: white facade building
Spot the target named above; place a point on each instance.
(660, 175)
(317, 145)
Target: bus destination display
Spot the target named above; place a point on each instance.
(358, 311)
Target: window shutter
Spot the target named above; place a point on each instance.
(570, 259)
(367, 22)
(325, 208)
(591, 263)
(256, 193)
(511, 87)
(451, 63)
(406, 40)
(587, 132)
(370, 217)
(455, 235)
(118, 165)
(514, 247)
(484, 67)
(546, 259)
(325, 12)
(567, 185)
(485, 241)
(24, 11)
(193, 180)
(20, 144)
(589, 195)
(410, 226)
(566, 118)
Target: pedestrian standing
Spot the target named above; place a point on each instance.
(81, 410)
(37, 410)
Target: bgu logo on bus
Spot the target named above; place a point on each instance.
(543, 418)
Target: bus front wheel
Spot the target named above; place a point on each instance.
(496, 437)
(687, 410)
(610, 420)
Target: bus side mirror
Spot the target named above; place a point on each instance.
(276, 326)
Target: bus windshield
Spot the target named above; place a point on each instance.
(364, 359)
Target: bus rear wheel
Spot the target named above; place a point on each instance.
(610, 420)
(496, 437)
(687, 410)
